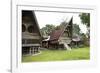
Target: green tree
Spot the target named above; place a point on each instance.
(47, 29)
(85, 18)
(76, 29)
(62, 25)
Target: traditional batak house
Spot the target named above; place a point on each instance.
(61, 38)
(31, 36)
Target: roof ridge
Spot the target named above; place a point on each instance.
(65, 27)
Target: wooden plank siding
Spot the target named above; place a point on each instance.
(31, 36)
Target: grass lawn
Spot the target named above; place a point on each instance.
(59, 55)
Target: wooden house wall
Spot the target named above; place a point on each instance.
(31, 37)
(30, 33)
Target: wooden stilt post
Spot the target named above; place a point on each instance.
(30, 51)
(37, 49)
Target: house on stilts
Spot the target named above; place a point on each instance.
(60, 38)
(31, 36)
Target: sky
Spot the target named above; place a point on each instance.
(56, 18)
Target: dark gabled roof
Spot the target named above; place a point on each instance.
(37, 23)
(57, 33)
(33, 16)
